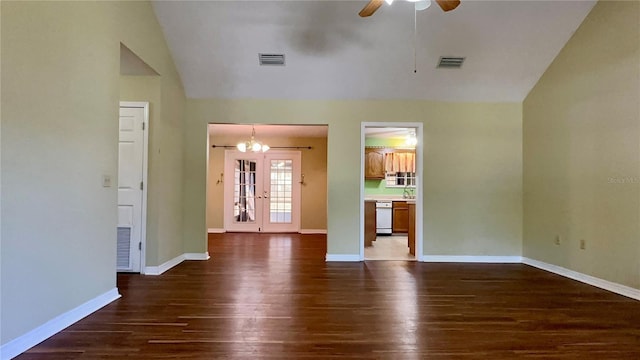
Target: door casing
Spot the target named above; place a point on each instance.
(419, 181)
(145, 160)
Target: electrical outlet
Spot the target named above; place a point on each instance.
(583, 244)
(558, 240)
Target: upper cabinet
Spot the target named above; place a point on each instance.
(373, 163)
(397, 163)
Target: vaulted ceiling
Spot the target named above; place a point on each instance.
(332, 53)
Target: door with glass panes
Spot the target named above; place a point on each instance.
(262, 191)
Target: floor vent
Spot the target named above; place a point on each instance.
(450, 62)
(271, 59)
(123, 248)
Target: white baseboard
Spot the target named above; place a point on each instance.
(158, 270)
(197, 256)
(473, 259)
(343, 257)
(313, 231)
(23, 343)
(587, 279)
(216, 231)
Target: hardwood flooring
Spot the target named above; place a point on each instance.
(274, 297)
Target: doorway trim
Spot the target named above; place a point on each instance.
(145, 169)
(419, 181)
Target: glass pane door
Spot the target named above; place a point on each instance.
(244, 191)
(282, 191)
(281, 174)
(243, 201)
(262, 192)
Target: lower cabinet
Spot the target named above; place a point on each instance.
(369, 222)
(411, 238)
(400, 217)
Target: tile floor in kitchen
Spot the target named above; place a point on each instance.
(388, 247)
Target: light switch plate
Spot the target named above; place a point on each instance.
(106, 180)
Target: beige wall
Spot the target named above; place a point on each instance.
(60, 93)
(581, 150)
(472, 162)
(313, 194)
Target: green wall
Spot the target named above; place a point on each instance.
(581, 150)
(60, 99)
(472, 189)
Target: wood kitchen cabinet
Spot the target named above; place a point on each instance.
(369, 222)
(411, 238)
(373, 164)
(400, 217)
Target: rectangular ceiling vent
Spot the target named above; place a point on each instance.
(271, 59)
(450, 62)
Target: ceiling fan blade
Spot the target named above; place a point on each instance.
(448, 5)
(370, 8)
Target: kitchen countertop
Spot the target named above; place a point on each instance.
(386, 197)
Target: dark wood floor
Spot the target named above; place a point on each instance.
(274, 297)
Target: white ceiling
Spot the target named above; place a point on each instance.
(269, 131)
(332, 53)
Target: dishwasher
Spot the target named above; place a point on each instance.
(384, 210)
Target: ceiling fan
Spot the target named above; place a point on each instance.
(373, 5)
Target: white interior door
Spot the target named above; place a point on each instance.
(281, 191)
(130, 184)
(242, 191)
(263, 191)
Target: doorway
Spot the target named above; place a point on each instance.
(263, 194)
(132, 177)
(391, 191)
(238, 178)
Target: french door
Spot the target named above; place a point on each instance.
(262, 191)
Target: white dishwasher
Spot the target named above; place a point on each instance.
(384, 210)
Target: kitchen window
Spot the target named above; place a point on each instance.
(400, 179)
(400, 169)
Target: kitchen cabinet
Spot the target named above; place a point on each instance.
(400, 217)
(411, 238)
(369, 222)
(373, 164)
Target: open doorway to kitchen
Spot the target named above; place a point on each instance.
(391, 196)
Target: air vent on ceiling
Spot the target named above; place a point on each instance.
(271, 59)
(450, 62)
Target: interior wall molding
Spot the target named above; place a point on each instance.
(313, 231)
(216, 231)
(473, 259)
(160, 269)
(343, 257)
(587, 279)
(23, 343)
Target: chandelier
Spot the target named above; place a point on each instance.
(252, 144)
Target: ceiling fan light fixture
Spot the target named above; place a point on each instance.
(423, 5)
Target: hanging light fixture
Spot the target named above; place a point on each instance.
(252, 144)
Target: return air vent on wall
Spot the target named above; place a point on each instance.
(271, 59)
(450, 62)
